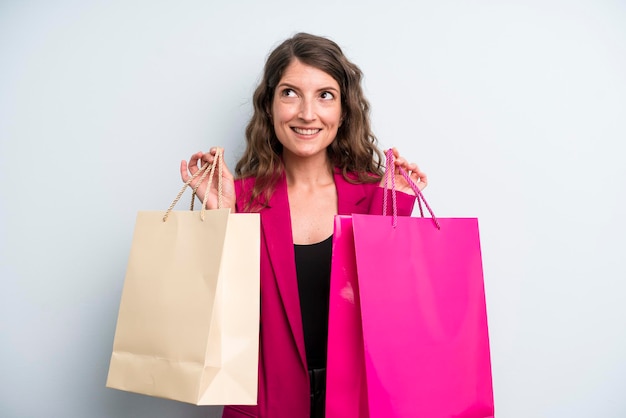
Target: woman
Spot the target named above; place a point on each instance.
(310, 155)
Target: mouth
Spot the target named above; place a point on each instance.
(302, 131)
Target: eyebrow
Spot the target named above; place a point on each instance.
(291, 86)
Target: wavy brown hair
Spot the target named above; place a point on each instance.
(354, 150)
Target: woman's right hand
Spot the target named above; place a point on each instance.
(199, 159)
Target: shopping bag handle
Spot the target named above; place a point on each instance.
(389, 168)
(203, 171)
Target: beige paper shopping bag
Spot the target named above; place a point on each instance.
(188, 323)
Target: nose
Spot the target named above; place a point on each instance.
(307, 110)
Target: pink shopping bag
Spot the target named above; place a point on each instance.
(423, 316)
(423, 331)
(346, 388)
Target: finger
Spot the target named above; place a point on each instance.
(206, 159)
(396, 154)
(193, 162)
(403, 165)
(209, 156)
(401, 162)
(212, 152)
(226, 172)
(183, 171)
(422, 180)
(415, 171)
(416, 175)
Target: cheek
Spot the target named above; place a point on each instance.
(281, 113)
(334, 116)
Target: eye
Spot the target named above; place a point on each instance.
(326, 95)
(288, 93)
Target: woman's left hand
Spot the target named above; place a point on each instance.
(418, 176)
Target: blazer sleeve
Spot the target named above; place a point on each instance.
(405, 202)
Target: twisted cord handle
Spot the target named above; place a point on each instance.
(217, 162)
(389, 168)
(420, 197)
(389, 164)
(203, 172)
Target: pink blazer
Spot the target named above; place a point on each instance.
(283, 377)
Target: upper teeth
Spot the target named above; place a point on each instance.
(306, 131)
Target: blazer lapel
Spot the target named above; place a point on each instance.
(276, 224)
(351, 198)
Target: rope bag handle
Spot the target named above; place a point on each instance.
(389, 172)
(203, 172)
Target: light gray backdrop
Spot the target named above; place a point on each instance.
(516, 109)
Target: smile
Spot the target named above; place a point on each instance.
(305, 131)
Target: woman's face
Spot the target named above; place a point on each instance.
(306, 111)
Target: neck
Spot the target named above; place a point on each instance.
(307, 171)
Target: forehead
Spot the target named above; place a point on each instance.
(301, 75)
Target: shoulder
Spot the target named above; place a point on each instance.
(247, 187)
(353, 195)
(352, 181)
(243, 191)
(244, 182)
(357, 177)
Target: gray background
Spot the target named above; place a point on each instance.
(516, 110)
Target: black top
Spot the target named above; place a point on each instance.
(313, 270)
